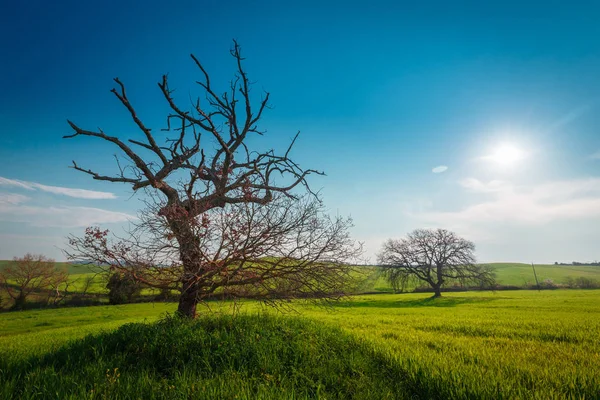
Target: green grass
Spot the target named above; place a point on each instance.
(513, 274)
(522, 274)
(509, 344)
(72, 269)
(214, 357)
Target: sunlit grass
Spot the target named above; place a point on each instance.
(508, 344)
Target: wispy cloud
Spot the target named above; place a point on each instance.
(475, 185)
(77, 193)
(64, 217)
(439, 169)
(12, 182)
(569, 117)
(595, 156)
(12, 198)
(507, 203)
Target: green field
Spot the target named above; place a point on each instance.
(510, 274)
(73, 269)
(519, 274)
(507, 344)
(522, 274)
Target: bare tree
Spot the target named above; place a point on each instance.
(287, 248)
(32, 273)
(58, 290)
(88, 282)
(435, 257)
(206, 172)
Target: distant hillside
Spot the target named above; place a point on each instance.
(522, 274)
(516, 274)
(73, 269)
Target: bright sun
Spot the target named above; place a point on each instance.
(507, 154)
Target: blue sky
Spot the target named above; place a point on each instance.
(505, 95)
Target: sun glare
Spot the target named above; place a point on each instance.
(507, 154)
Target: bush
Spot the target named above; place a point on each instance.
(548, 284)
(165, 295)
(583, 282)
(122, 288)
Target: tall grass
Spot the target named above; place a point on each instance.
(248, 357)
(478, 345)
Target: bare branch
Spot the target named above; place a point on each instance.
(249, 199)
(435, 257)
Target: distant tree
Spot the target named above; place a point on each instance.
(209, 184)
(32, 273)
(122, 287)
(88, 282)
(584, 282)
(399, 278)
(434, 257)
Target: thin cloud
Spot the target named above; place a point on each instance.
(475, 185)
(534, 205)
(439, 169)
(19, 184)
(70, 192)
(63, 217)
(595, 156)
(12, 198)
(569, 117)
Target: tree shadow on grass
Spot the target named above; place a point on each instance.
(426, 302)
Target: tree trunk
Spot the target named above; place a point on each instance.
(188, 300)
(437, 291)
(190, 256)
(20, 302)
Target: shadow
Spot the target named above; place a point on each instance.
(426, 302)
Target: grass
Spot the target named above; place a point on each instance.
(522, 274)
(215, 357)
(72, 269)
(509, 344)
(515, 274)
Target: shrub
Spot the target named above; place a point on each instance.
(122, 288)
(583, 282)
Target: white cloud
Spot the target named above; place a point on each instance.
(12, 182)
(439, 169)
(511, 204)
(12, 198)
(64, 217)
(77, 193)
(475, 185)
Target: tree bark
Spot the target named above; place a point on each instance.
(190, 256)
(188, 300)
(437, 291)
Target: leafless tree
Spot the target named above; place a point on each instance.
(287, 248)
(32, 273)
(58, 290)
(206, 182)
(88, 282)
(435, 257)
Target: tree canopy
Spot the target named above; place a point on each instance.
(434, 257)
(220, 214)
